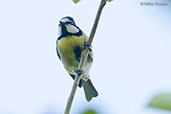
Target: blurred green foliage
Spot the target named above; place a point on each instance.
(161, 101)
(109, 0)
(89, 111)
(75, 1)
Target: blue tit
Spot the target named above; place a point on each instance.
(69, 45)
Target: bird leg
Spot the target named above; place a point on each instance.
(87, 45)
(78, 72)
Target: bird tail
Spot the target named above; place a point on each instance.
(89, 90)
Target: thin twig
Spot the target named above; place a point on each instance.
(84, 56)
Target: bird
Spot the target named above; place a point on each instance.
(70, 43)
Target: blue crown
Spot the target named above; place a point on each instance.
(69, 18)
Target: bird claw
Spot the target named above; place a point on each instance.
(78, 72)
(87, 45)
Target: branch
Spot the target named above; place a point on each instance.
(84, 55)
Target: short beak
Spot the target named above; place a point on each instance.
(61, 23)
(63, 28)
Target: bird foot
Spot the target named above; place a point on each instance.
(87, 45)
(78, 72)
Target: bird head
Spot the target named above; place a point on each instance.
(68, 27)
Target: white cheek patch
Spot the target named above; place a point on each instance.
(72, 29)
(59, 31)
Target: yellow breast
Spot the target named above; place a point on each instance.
(66, 46)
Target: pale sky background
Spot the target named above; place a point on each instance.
(132, 56)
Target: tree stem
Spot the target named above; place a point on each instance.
(84, 56)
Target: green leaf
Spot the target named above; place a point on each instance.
(109, 0)
(89, 112)
(75, 1)
(161, 101)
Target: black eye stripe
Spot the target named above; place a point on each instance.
(69, 23)
(69, 19)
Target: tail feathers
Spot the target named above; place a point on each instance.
(89, 90)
